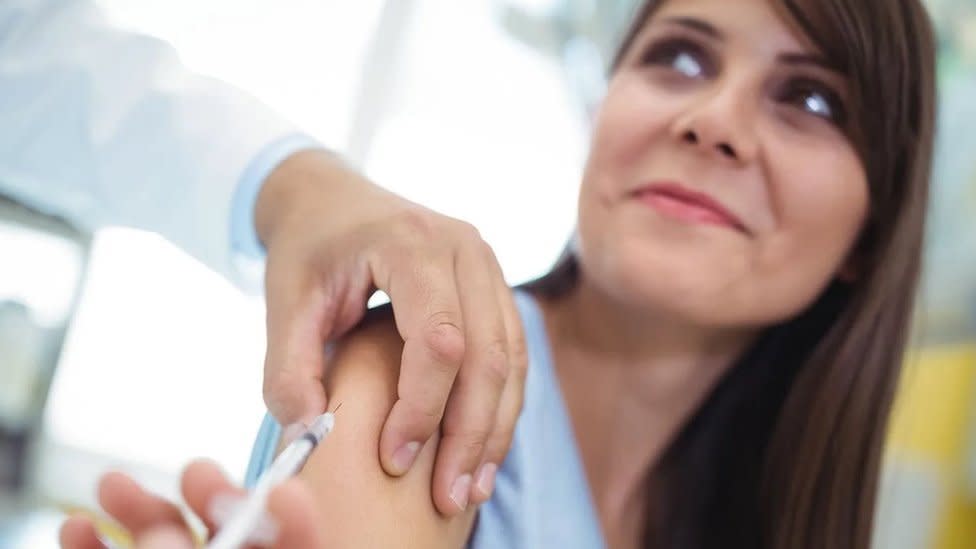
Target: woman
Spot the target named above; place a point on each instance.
(713, 361)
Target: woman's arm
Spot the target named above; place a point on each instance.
(359, 505)
(342, 498)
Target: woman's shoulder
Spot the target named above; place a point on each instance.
(367, 365)
(364, 369)
(541, 494)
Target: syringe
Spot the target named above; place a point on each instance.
(237, 530)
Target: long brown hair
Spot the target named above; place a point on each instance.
(786, 450)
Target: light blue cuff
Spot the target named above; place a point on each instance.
(244, 236)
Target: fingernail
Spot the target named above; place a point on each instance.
(404, 457)
(459, 491)
(486, 479)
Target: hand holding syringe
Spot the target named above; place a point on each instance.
(239, 528)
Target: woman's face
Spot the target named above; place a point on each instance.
(721, 185)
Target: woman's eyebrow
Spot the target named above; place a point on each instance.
(807, 59)
(698, 25)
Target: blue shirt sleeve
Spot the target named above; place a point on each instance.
(262, 453)
(244, 236)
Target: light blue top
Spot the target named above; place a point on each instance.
(541, 496)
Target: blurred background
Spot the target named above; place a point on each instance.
(117, 351)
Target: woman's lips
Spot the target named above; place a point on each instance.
(684, 204)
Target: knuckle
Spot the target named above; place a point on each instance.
(519, 353)
(414, 224)
(496, 363)
(498, 445)
(467, 231)
(444, 340)
(468, 430)
(471, 443)
(474, 447)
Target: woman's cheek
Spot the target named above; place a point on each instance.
(822, 195)
(815, 237)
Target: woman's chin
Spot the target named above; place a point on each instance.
(700, 290)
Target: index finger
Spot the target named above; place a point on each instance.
(298, 311)
(135, 508)
(202, 481)
(428, 318)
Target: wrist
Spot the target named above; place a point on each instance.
(306, 179)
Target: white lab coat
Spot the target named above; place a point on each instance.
(103, 126)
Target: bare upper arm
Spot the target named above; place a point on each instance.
(361, 505)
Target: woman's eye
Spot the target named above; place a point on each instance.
(681, 56)
(817, 100)
(816, 104)
(686, 64)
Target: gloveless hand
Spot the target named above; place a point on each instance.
(332, 239)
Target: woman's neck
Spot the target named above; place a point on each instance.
(631, 379)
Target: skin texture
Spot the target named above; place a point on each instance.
(663, 305)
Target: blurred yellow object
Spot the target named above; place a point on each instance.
(111, 531)
(108, 529)
(931, 424)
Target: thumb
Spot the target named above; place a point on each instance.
(294, 394)
(298, 313)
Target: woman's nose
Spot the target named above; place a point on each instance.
(720, 123)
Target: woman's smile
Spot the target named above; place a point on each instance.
(679, 202)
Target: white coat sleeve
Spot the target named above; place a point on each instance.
(106, 127)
